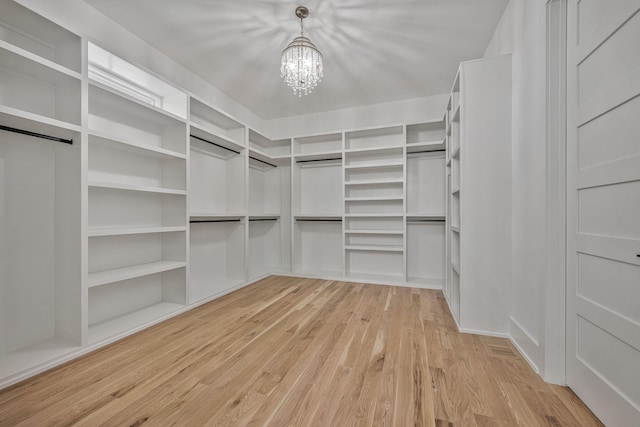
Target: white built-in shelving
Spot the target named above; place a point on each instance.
(155, 201)
(217, 202)
(40, 198)
(137, 192)
(269, 236)
(478, 133)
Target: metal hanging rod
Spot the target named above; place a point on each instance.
(318, 160)
(262, 161)
(426, 220)
(213, 143)
(36, 135)
(318, 220)
(213, 220)
(263, 219)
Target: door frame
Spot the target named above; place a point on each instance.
(554, 312)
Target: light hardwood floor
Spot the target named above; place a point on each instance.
(289, 351)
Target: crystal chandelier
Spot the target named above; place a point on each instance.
(301, 66)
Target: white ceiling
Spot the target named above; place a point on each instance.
(374, 51)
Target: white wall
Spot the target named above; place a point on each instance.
(522, 32)
(417, 110)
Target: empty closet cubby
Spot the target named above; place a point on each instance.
(128, 305)
(317, 243)
(318, 147)
(317, 187)
(426, 183)
(375, 139)
(124, 119)
(37, 37)
(117, 164)
(40, 78)
(268, 179)
(425, 252)
(267, 147)
(265, 246)
(206, 119)
(216, 256)
(217, 176)
(40, 262)
(430, 134)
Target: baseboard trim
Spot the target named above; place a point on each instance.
(530, 345)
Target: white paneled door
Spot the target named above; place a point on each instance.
(603, 242)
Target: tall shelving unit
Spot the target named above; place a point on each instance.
(269, 166)
(374, 179)
(317, 205)
(479, 133)
(137, 188)
(426, 204)
(40, 195)
(217, 202)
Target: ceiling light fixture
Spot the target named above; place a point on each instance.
(301, 66)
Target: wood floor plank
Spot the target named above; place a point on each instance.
(303, 352)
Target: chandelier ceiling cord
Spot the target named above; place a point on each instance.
(301, 66)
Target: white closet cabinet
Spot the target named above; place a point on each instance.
(217, 202)
(269, 205)
(136, 204)
(479, 140)
(317, 205)
(40, 192)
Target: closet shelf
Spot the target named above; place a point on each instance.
(208, 216)
(20, 119)
(118, 274)
(22, 61)
(372, 166)
(211, 134)
(318, 156)
(375, 182)
(426, 146)
(321, 217)
(373, 149)
(134, 147)
(376, 232)
(123, 231)
(380, 215)
(141, 188)
(133, 101)
(375, 248)
(132, 322)
(33, 355)
(425, 217)
(264, 216)
(374, 199)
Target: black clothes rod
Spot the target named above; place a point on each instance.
(318, 220)
(197, 221)
(263, 219)
(36, 135)
(425, 151)
(318, 160)
(213, 143)
(262, 161)
(426, 220)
